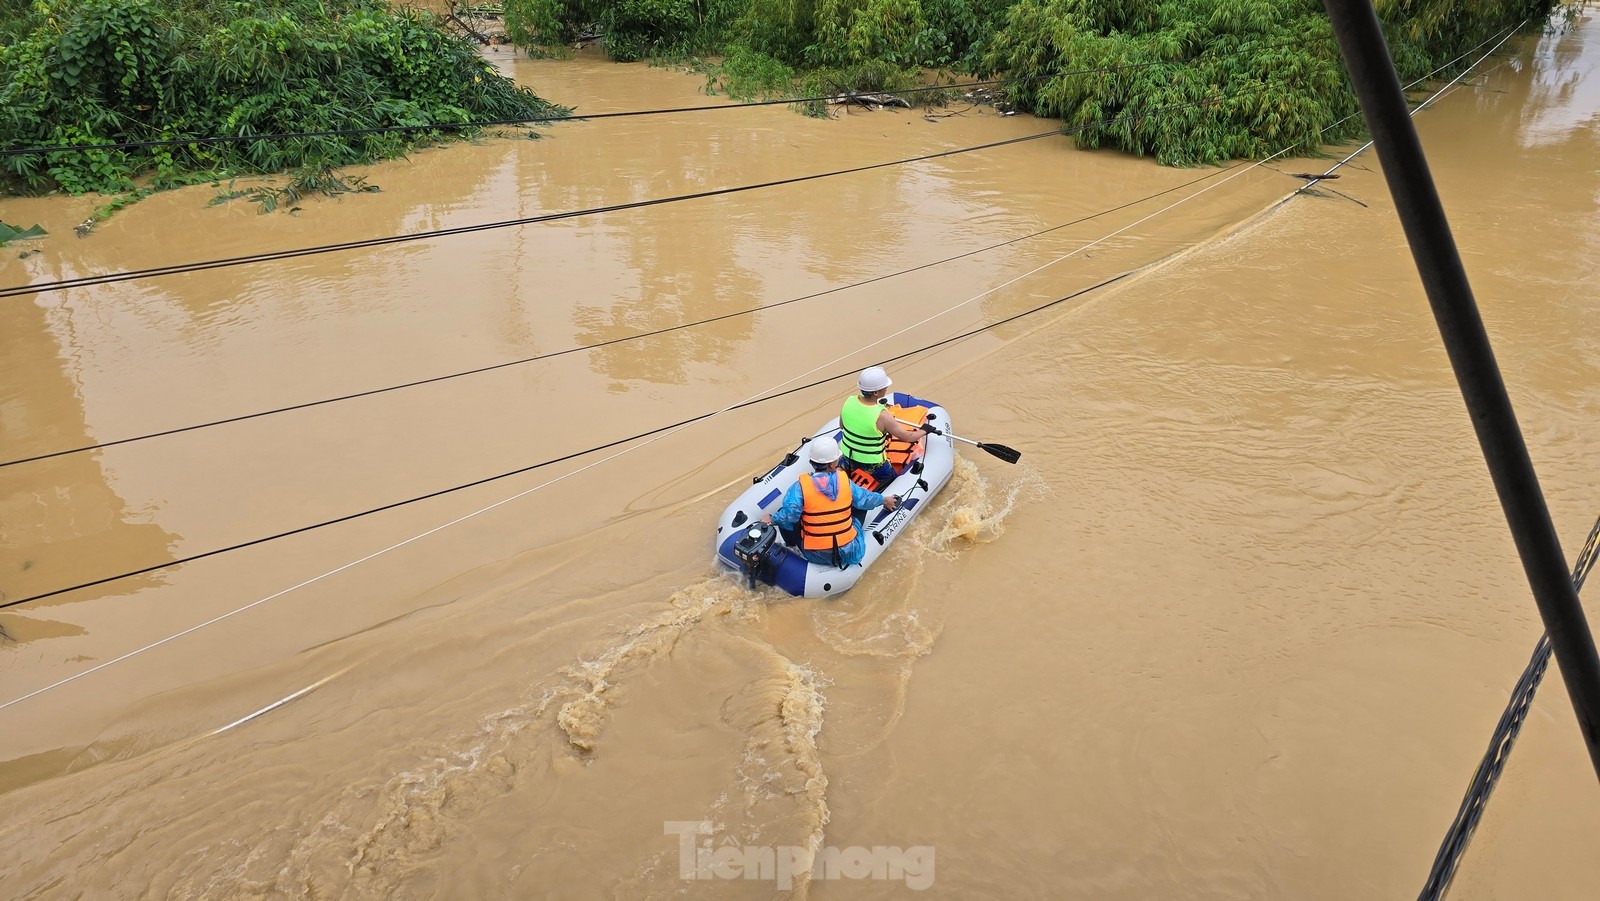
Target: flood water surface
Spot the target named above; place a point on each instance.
(1238, 625)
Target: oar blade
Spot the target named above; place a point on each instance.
(1008, 454)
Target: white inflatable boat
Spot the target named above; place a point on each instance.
(745, 544)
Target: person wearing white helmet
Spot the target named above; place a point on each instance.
(819, 510)
(868, 425)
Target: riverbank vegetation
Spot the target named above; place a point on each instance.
(143, 72)
(1187, 81)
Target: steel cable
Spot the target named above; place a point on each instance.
(177, 268)
(1501, 35)
(625, 338)
(1501, 740)
(756, 399)
(658, 432)
(541, 465)
(586, 117)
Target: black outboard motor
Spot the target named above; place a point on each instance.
(755, 551)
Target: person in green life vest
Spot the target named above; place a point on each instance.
(867, 428)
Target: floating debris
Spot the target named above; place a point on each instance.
(871, 101)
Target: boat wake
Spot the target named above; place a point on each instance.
(377, 839)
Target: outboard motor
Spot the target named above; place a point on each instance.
(755, 551)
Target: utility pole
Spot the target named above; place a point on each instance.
(1394, 135)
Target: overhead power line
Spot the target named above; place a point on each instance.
(532, 467)
(178, 268)
(647, 334)
(625, 338)
(380, 552)
(551, 462)
(1501, 741)
(492, 123)
(587, 117)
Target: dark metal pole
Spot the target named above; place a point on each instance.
(1377, 85)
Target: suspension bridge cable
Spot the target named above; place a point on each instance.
(582, 117)
(1501, 740)
(625, 338)
(108, 278)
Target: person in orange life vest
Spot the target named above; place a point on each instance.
(822, 505)
(868, 426)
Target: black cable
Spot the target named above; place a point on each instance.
(489, 123)
(580, 117)
(1504, 736)
(562, 459)
(112, 277)
(108, 278)
(1466, 342)
(625, 338)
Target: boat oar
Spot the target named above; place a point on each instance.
(1008, 454)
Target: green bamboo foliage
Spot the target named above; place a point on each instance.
(119, 71)
(809, 34)
(1201, 81)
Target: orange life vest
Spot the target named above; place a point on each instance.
(825, 525)
(900, 452)
(860, 474)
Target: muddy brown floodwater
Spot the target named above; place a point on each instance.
(1239, 625)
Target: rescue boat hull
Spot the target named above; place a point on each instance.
(792, 573)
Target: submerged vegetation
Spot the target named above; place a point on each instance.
(76, 72)
(1188, 81)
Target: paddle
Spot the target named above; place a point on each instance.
(1010, 455)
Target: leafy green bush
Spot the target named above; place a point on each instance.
(635, 29)
(836, 33)
(1199, 81)
(125, 71)
(548, 26)
(1189, 81)
(746, 74)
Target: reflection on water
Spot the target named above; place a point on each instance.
(62, 521)
(1564, 92)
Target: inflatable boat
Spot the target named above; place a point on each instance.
(748, 545)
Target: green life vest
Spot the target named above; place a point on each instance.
(863, 442)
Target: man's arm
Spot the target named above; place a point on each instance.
(891, 426)
(865, 500)
(788, 514)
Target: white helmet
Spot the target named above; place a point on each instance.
(873, 378)
(824, 450)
